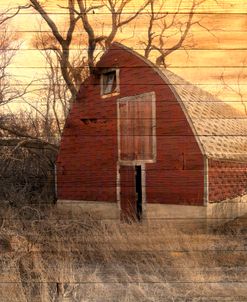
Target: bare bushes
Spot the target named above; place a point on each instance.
(26, 175)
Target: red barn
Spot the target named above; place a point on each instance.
(142, 141)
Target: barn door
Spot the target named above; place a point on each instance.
(127, 193)
(130, 192)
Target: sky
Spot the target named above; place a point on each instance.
(220, 51)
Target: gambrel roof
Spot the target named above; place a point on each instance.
(220, 129)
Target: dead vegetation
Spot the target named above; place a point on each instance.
(50, 255)
(27, 173)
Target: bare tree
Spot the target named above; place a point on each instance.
(163, 26)
(9, 45)
(61, 45)
(10, 88)
(66, 71)
(10, 13)
(55, 95)
(7, 91)
(116, 11)
(79, 11)
(236, 88)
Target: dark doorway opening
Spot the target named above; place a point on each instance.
(138, 181)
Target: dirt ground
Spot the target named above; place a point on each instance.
(47, 255)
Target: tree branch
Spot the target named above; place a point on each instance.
(5, 19)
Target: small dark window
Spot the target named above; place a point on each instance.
(109, 83)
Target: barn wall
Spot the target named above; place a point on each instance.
(88, 157)
(88, 154)
(227, 180)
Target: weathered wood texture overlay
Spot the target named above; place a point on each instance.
(201, 268)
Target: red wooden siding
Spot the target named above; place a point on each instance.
(226, 179)
(89, 149)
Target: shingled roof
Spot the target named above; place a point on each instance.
(220, 129)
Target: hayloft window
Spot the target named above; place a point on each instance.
(137, 128)
(110, 82)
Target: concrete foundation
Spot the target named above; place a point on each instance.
(220, 212)
(212, 214)
(103, 210)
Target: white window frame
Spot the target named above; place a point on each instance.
(117, 90)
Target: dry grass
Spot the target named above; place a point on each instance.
(51, 256)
